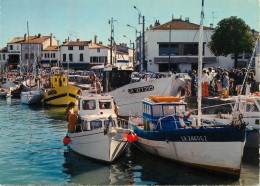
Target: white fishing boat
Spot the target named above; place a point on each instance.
(249, 108)
(8, 82)
(31, 96)
(129, 97)
(98, 135)
(168, 130)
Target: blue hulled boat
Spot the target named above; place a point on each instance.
(168, 130)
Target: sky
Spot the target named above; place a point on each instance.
(85, 18)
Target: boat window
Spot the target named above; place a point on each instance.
(88, 104)
(105, 105)
(157, 110)
(180, 108)
(168, 110)
(95, 124)
(107, 123)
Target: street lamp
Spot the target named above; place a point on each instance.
(130, 46)
(144, 65)
(136, 40)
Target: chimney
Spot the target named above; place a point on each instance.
(25, 37)
(211, 25)
(187, 19)
(39, 35)
(66, 40)
(78, 40)
(95, 39)
(180, 17)
(100, 42)
(51, 39)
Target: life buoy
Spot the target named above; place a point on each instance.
(191, 118)
(181, 121)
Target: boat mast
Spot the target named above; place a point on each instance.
(200, 64)
(29, 58)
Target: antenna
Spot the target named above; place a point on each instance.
(213, 18)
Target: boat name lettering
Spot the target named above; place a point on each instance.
(141, 89)
(52, 92)
(193, 138)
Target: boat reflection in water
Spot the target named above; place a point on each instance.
(87, 171)
(139, 168)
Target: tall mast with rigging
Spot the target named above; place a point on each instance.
(200, 64)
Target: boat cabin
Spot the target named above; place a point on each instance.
(96, 112)
(162, 112)
(59, 80)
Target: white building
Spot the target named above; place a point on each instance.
(22, 49)
(179, 40)
(50, 56)
(83, 54)
(122, 56)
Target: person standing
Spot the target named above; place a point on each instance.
(225, 84)
(205, 89)
(193, 83)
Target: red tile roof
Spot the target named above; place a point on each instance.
(51, 48)
(36, 39)
(178, 24)
(16, 40)
(96, 45)
(76, 43)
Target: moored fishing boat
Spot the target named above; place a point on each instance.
(61, 93)
(165, 131)
(98, 134)
(31, 97)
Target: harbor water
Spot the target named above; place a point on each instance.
(32, 152)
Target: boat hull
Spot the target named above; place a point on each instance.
(198, 148)
(32, 97)
(129, 97)
(94, 144)
(62, 96)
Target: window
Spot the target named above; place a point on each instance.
(164, 49)
(98, 50)
(71, 57)
(70, 47)
(93, 59)
(26, 56)
(3, 56)
(80, 57)
(102, 59)
(53, 55)
(95, 125)
(64, 57)
(157, 110)
(105, 105)
(45, 55)
(168, 110)
(11, 47)
(88, 105)
(0, 57)
(191, 49)
(81, 47)
(32, 56)
(106, 123)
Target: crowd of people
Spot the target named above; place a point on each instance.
(224, 83)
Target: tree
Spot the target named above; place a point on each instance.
(232, 35)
